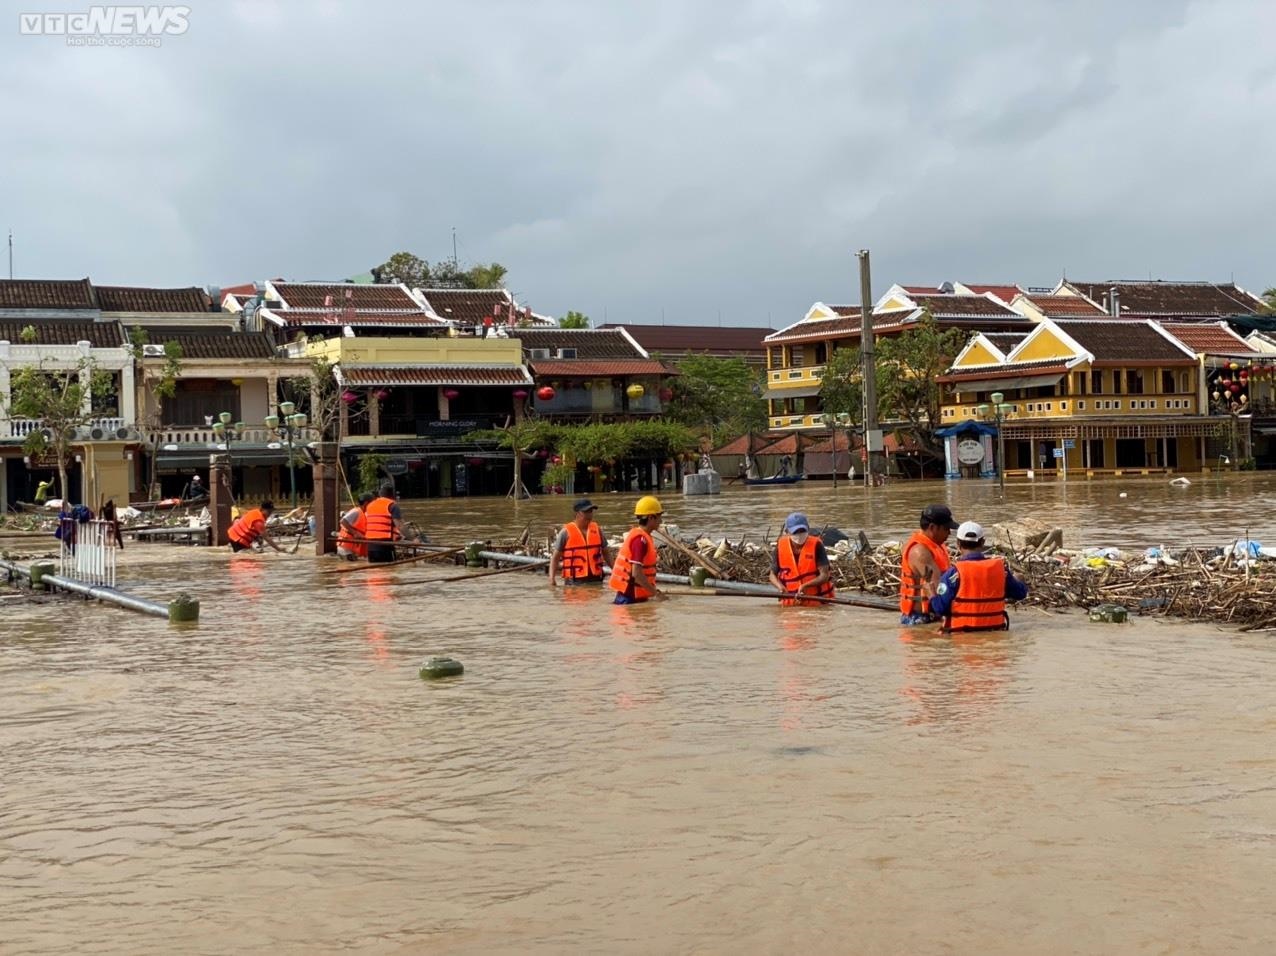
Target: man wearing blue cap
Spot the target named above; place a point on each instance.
(580, 550)
(800, 564)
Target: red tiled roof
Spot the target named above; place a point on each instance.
(1117, 340)
(102, 335)
(739, 446)
(457, 375)
(470, 306)
(296, 318)
(1004, 292)
(588, 343)
(589, 368)
(1172, 298)
(714, 339)
(47, 294)
(1061, 306)
(1012, 370)
(248, 289)
(211, 342)
(817, 330)
(1208, 337)
(785, 446)
(340, 295)
(1006, 341)
(963, 305)
(122, 298)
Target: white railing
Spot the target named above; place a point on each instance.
(22, 427)
(88, 551)
(204, 435)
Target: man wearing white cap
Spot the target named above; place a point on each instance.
(972, 594)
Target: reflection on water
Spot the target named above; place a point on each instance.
(699, 775)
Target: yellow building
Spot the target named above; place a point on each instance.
(1080, 396)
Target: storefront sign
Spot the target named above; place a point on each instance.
(970, 452)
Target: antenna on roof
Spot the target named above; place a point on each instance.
(454, 265)
(10, 253)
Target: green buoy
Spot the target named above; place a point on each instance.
(437, 667)
(183, 608)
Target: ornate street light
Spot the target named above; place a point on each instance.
(290, 425)
(997, 412)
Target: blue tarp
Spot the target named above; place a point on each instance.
(965, 428)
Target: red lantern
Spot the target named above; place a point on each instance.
(666, 394)
(545, 393)
(451, 394)
(520, 393)
(349, 397)
(381, 394)
(474, 462)
(543, 453)
(1234, 388)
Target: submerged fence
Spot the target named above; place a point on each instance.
(88, 551)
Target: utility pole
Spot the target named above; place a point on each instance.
(872, 437)
(454, 265)
(10, 253)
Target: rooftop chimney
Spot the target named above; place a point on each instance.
(1114, 302)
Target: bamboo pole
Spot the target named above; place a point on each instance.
(432, 556)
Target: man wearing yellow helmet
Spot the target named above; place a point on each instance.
(633, 577)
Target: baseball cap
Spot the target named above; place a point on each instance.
(584, 505)
(970, 532)
(940, 515)
(796, 522)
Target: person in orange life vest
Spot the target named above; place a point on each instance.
(922, 563)
(800, 563)
(384, 523)
(351, 542)
(580, 549)
(251, 527)
(973, 592)
(633, 576)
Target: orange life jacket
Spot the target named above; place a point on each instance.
(621, 579)
(980, 601)
(346, 540)
(379, 525)
(248, 528)
(797, 570)
(583, 553)
(912, 600)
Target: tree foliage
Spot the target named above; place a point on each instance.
(842, 386)
(574, 320)
(414, 272)
(60, 399)
(593, 442)
(1269, 299)
(720, 396)
(907, 366)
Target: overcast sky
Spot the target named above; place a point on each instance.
(685, 160)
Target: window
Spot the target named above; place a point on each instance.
(1082, 382)
(1049, 406)
(1081, 403)
(1063, 385)
(821, 353)
(1152, 403)
(1116, 381)
(1096, 380)
(1117, 404)
(798, 354)
(1063, 406)
(1167, 382)
(1134, 381)
(1183, 386)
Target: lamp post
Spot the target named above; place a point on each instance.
(997, 412)
(291, 423)
(227, 432)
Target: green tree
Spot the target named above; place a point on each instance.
(720, 396)
(486, 276)
(574, 320)
(161, 383)
(842, 386)
(1269, 299)
(59, 399)
(404, 267)
(907, 366)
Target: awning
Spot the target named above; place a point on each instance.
(365, 376)
(197, 455)
(804, 391)
(1007, 384)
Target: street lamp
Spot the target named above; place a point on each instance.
(998, 411)
(292, 423)
(832, 421)
(227, 432)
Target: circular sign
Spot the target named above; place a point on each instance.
(970, 452)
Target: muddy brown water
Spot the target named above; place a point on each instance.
(701, 776)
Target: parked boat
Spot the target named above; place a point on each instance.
(775, 480)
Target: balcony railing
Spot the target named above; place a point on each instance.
(586, 402)
(20, 428)
(204, 435)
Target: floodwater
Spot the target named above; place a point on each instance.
(705, 775)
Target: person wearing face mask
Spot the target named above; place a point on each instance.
(800, 565)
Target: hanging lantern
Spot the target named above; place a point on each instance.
(587, 385)
(556, 460)
(666, 394)
(349, 397)
(1233, 388)
(545, 393)
(1244, 399)
(451, 394)
(474, 462)
(1233, 366)
(1225, 380)
(1217, 395)
(520, 394)
(543, 453)
(381, 394)
(635, 391)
